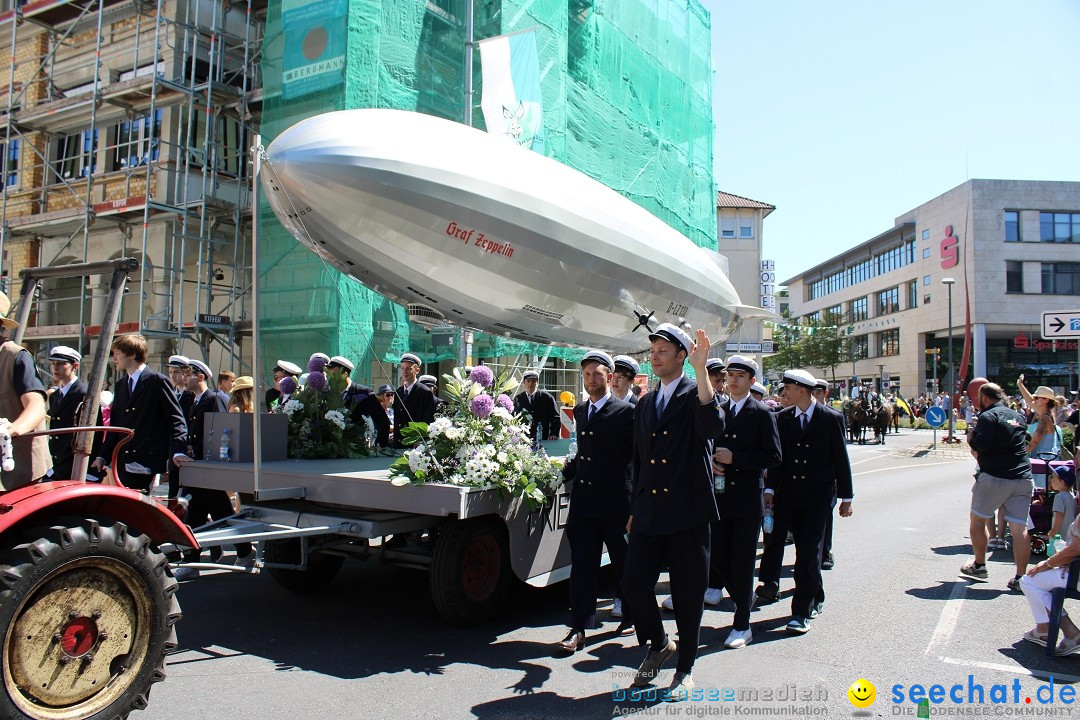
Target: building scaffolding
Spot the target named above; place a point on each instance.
(126, 128)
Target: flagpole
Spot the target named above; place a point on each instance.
(469, 43)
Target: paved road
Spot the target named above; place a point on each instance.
(897, 613)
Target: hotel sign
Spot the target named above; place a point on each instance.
(768, 284)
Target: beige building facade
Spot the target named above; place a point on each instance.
(1012, 250)
(739, 236)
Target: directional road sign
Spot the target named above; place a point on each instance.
(935, 417)
(1061, 324)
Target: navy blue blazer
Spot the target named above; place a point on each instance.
(673, 479)
(815, 468)
(754, 442)
(155, 416)
(601, 470)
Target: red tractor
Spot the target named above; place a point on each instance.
(87, 602)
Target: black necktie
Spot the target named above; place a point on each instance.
(660, 405)
(804, 420)
(734, 410)
(592, 410)
(131, 386)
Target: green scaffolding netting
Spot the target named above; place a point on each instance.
(626, 92)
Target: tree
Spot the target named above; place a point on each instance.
(828, 347)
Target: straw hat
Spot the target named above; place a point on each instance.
(1044, 392)
(5, 307)
(244, 382)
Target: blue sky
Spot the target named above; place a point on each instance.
(847, 114)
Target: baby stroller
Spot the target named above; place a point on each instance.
(1041, 511)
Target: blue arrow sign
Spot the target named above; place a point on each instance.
(935, 416)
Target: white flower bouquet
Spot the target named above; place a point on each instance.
(478, 442)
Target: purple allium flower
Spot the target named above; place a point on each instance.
(506, 402)
(482, 405)
(287, 385)
(316, 364)
(482, 374)
(316, 379)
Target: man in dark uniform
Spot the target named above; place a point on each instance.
(749, 446)
(672, 503)
(622, 380)
(178, 371)
(714, 593)
(206, 503)
(413, 401)
(283, 369)
(540, 404)
(144, 401)
(64, 406)
(821, 395)
(814, 471)
(600, 499)
(362, 401)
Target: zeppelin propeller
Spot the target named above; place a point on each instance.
(469, 229)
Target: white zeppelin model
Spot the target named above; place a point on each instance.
(466, 228)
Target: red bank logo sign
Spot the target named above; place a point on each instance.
(950, 249)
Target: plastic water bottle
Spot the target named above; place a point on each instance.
(223, 454)
(571, 451)
(1055, 545)
(767, 522)
(719, 483)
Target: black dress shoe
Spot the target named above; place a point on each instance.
(573, 642)
(827, 562)
(767, 592)
(625, 629)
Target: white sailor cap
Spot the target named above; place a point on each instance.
(178, 361)
(202, 367)
(341, 362)
(673, 334)
(759, 388)
(411, 358)
(428, 380)
(741, 362)
(530, 374)
(800, 378)
(289, 368)
(714, 364)
(627, 364)
(322, 356)
(822, 384)
(62, 353)
(598, 356)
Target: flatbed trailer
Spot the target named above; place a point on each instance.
(309, 516)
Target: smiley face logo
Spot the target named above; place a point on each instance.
(862, 693)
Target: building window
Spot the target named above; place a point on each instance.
(1061, 278)
(1059, 227)
(746, 230)
(925, 299)
(727, 227)
(834, 315)
(858, 309)
(11, 152)
(926, 234)
(813, 319)
(888, 301)
(76, 155)
(1012, 226)
(889, 342)
(925, 279)
(926, 253)
(913, 294)
(1014, 276)
(860, 347)
(224, 146)
(134, 142)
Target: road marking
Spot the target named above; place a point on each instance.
(1012, 669)
(904, 467)
(950, 614)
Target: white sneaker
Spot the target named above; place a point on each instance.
(713, 596)
(739, 638)
(668, 604)
(185, 573)
(616, 609)
(246, 561)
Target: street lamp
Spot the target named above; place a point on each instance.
(949, 282)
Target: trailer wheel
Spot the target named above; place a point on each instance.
(470, 570)
(321, 570)
(87, 614)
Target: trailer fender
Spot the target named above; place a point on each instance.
(35, 504)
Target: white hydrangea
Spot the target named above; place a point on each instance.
(336, 417)
(501, 413)
(439, 427)
(418, 459)
(292, 406)
(454, 433)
